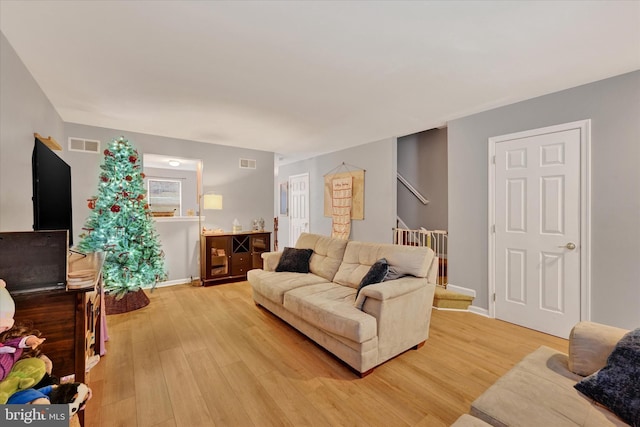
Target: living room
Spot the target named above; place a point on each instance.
(609, 98)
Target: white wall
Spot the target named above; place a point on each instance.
(379, 159)
(613, 105)
(24, 109)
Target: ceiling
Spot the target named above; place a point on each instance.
(301, 78)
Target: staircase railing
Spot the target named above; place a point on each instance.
(413, 190)
(438, 240)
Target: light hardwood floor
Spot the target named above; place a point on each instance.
(210, 357)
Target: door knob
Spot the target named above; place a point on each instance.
(571, 246)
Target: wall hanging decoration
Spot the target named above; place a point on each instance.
(344, 198)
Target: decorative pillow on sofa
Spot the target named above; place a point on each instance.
(295, 260)
(394, 273)
(617, 385)
(376, 274)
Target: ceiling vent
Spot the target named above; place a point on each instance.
(247, 164)
(84, 145)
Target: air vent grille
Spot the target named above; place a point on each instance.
(247, 164)
(84, 145)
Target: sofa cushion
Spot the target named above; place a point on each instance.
(617, 385)
(273, 285)
(360, 256)
(329, 306)
(327, 253)
(540, 388)
(376, 274)
(294, 260)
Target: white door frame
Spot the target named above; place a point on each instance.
(585, 209)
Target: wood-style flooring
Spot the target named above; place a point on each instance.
(210, 357)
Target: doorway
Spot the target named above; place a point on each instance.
(298, 206)
(539, 227)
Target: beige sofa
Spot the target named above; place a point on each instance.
(394, 315)
(539, 390)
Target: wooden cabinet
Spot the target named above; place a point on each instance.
(227, 257)
(70, 320)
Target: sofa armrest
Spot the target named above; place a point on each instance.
(590, 344)
(390, 289)
(402, 309)
(270, 260)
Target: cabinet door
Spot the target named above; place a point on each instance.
(217, 253)
(259, 244)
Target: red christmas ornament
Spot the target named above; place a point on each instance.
(146, 206)
(142, 175)
(92, 204)
(125, 194)
(133, 159)
(129, 178)
(107, 152)
(141, 196)
(115, 208)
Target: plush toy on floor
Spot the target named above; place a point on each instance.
(25, 374)
(74, 394)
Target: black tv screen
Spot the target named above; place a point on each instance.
(51, 191)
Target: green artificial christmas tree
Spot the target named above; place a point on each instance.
(120, 224)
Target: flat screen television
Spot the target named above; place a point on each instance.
(51, 191)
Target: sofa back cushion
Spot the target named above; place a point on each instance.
(360, 256)
(327, 253)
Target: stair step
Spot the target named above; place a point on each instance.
(445, 298)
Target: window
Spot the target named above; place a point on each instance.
(165, 197)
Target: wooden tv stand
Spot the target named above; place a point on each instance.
(70, 320)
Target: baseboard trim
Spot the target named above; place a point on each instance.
(175, 282)
(479, 310)
(461, 290)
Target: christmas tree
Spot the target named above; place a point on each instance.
(120, 224)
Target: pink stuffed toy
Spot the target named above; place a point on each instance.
(12, 348)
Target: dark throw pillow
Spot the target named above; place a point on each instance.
(617, 385)
(376, 274)
(394, 273)
(295, 260)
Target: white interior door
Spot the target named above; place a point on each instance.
(298, 206)
(537, 237)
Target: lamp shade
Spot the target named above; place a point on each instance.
(213, 201)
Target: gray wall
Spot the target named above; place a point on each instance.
(379, 161)
(24, 109)
(422, 160)
(247, 193)
(613, 105)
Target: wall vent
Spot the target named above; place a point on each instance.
(247, 164)
(84, 145)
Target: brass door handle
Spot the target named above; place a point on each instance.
(571, 246)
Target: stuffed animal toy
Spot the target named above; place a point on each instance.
(14, 338)
(7, 307)
(25, 374)
(74, 394)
